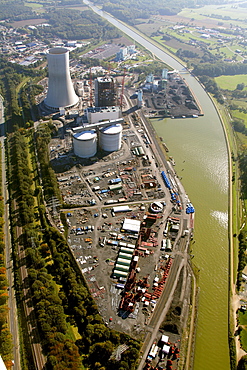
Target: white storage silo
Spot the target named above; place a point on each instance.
(85, 144)
(110, 137)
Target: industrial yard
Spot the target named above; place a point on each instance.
(169, 96)
(126, 216)
(127, 227)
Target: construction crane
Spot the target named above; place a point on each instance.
(91, 89)
(122, 91)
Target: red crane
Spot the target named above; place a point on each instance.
(91, 89)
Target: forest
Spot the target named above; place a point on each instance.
(77, 25)
(129, 11)
(15, 11)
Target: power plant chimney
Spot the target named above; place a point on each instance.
(61, 92)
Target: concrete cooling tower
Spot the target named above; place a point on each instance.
(110, 137)
(85, 144)
(60, 88)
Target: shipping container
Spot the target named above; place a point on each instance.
(115, 181)
(115, 187)
(122, 244)
(112, 242)
(163, 245)
(168, 245)
(110, 201)
(96, 188)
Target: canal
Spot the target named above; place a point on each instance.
(199, 149)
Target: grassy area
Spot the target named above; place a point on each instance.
(231, 82)
(226, 10)
(33, 5)
(239, 115)
(80, 8)
(160, 41)
(190, 36)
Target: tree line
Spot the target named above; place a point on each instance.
(131, 12)
(220, 68)
(60, 296)
(5, 335)
(15, 99)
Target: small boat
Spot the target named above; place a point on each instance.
(172, 160)
(194, 116)
(166, 148)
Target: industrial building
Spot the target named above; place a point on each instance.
(61, 92)
(99, 114)
(105, 92)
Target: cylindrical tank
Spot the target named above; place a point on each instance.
(61, 92)
(85, 144)
(110, 137)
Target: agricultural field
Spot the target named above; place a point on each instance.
(34, 6)
(231, 82)
(227, 13)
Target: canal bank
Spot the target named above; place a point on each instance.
(199, 149)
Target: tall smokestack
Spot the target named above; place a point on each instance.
(60, 88)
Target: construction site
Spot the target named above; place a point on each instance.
(128, 220)
(128, 223)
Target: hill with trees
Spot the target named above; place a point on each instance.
(129, 11)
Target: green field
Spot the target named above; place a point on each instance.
(34, 5)
(230, 82)
(239, 115)
(226, 10)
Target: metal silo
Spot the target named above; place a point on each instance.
(61, 92)
(85, 144)
(110, 137)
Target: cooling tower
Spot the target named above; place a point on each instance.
(60, 88)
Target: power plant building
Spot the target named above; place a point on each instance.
(99, 114)
(61, 92)
(105, 92)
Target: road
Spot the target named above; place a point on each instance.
(181, 258)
